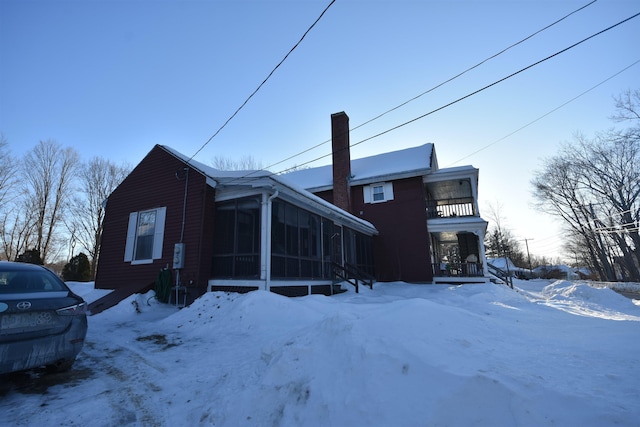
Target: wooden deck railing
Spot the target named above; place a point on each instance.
(448, 208)
(460, 269)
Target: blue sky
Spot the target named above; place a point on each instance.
(113, 78)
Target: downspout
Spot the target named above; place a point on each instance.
(203, 210)
(184, 204)
(267, 251)
(184, 217)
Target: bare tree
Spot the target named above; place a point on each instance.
(561, 189)
(48, 172)
(614, 180)
(245, 163)
(97, 179)
(17, 226)
(499, 241)
(8, 217)
(627, 106)
(594, 186)
(8, 171)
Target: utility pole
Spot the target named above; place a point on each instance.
(526, 243)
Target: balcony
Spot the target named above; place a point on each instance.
(450, 208)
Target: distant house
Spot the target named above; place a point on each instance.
(505, 266)
(563, 272)
(391, 217)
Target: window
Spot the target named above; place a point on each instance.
(13, 281)
(359, 251)
(378, 193)
(296, 246)
(236, 245)
(145, 236)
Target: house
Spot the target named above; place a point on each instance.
(430, 229)
(503, 266)
(223, 231)
(395, 216)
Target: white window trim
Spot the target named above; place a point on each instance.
(158, 237)
(387, 188)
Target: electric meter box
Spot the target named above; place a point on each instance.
(178, 255)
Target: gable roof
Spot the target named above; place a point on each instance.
(286, 189)
(406, 163)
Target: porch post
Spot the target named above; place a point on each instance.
(483, 255)
(266, 239)
(265, 215)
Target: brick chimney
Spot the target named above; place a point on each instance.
(341, 160)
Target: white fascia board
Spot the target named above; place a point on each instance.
(235, 188)
(469, 224)
(224, 194)
(389, 177)
(211, 182)
(452, 173)
(319, 189)
(316, 204)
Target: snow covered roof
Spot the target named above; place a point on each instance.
(503, 264)
(409, 162)
(217, 174)
(287, 189)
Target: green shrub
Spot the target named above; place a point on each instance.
(31, 256)
(78, 269)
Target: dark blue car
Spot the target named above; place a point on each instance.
(42, 323)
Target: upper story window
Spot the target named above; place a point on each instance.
(378, 193)
(145, 236)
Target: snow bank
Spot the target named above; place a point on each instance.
(542, 354)
(583, 299)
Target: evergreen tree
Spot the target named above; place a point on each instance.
(78, 269)
(31, 256)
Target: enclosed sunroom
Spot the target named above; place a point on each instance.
(269, 235)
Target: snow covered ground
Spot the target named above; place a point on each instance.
(561, 353)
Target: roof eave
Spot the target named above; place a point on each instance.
(391, 177)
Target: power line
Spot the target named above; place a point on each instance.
(440, 84)
(499, 81)
(548, 113)
(542, 247)
(477, 65)
(457, 100)
(263, 82)
(479, 90)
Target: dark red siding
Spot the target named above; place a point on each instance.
(402, 249)
(159, 181)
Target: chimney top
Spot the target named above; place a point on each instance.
(341, 160)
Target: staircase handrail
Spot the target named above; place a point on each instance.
(352, 275)
(501, 274)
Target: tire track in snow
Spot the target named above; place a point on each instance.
(130, 390)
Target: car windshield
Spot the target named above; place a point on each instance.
(24, 281)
